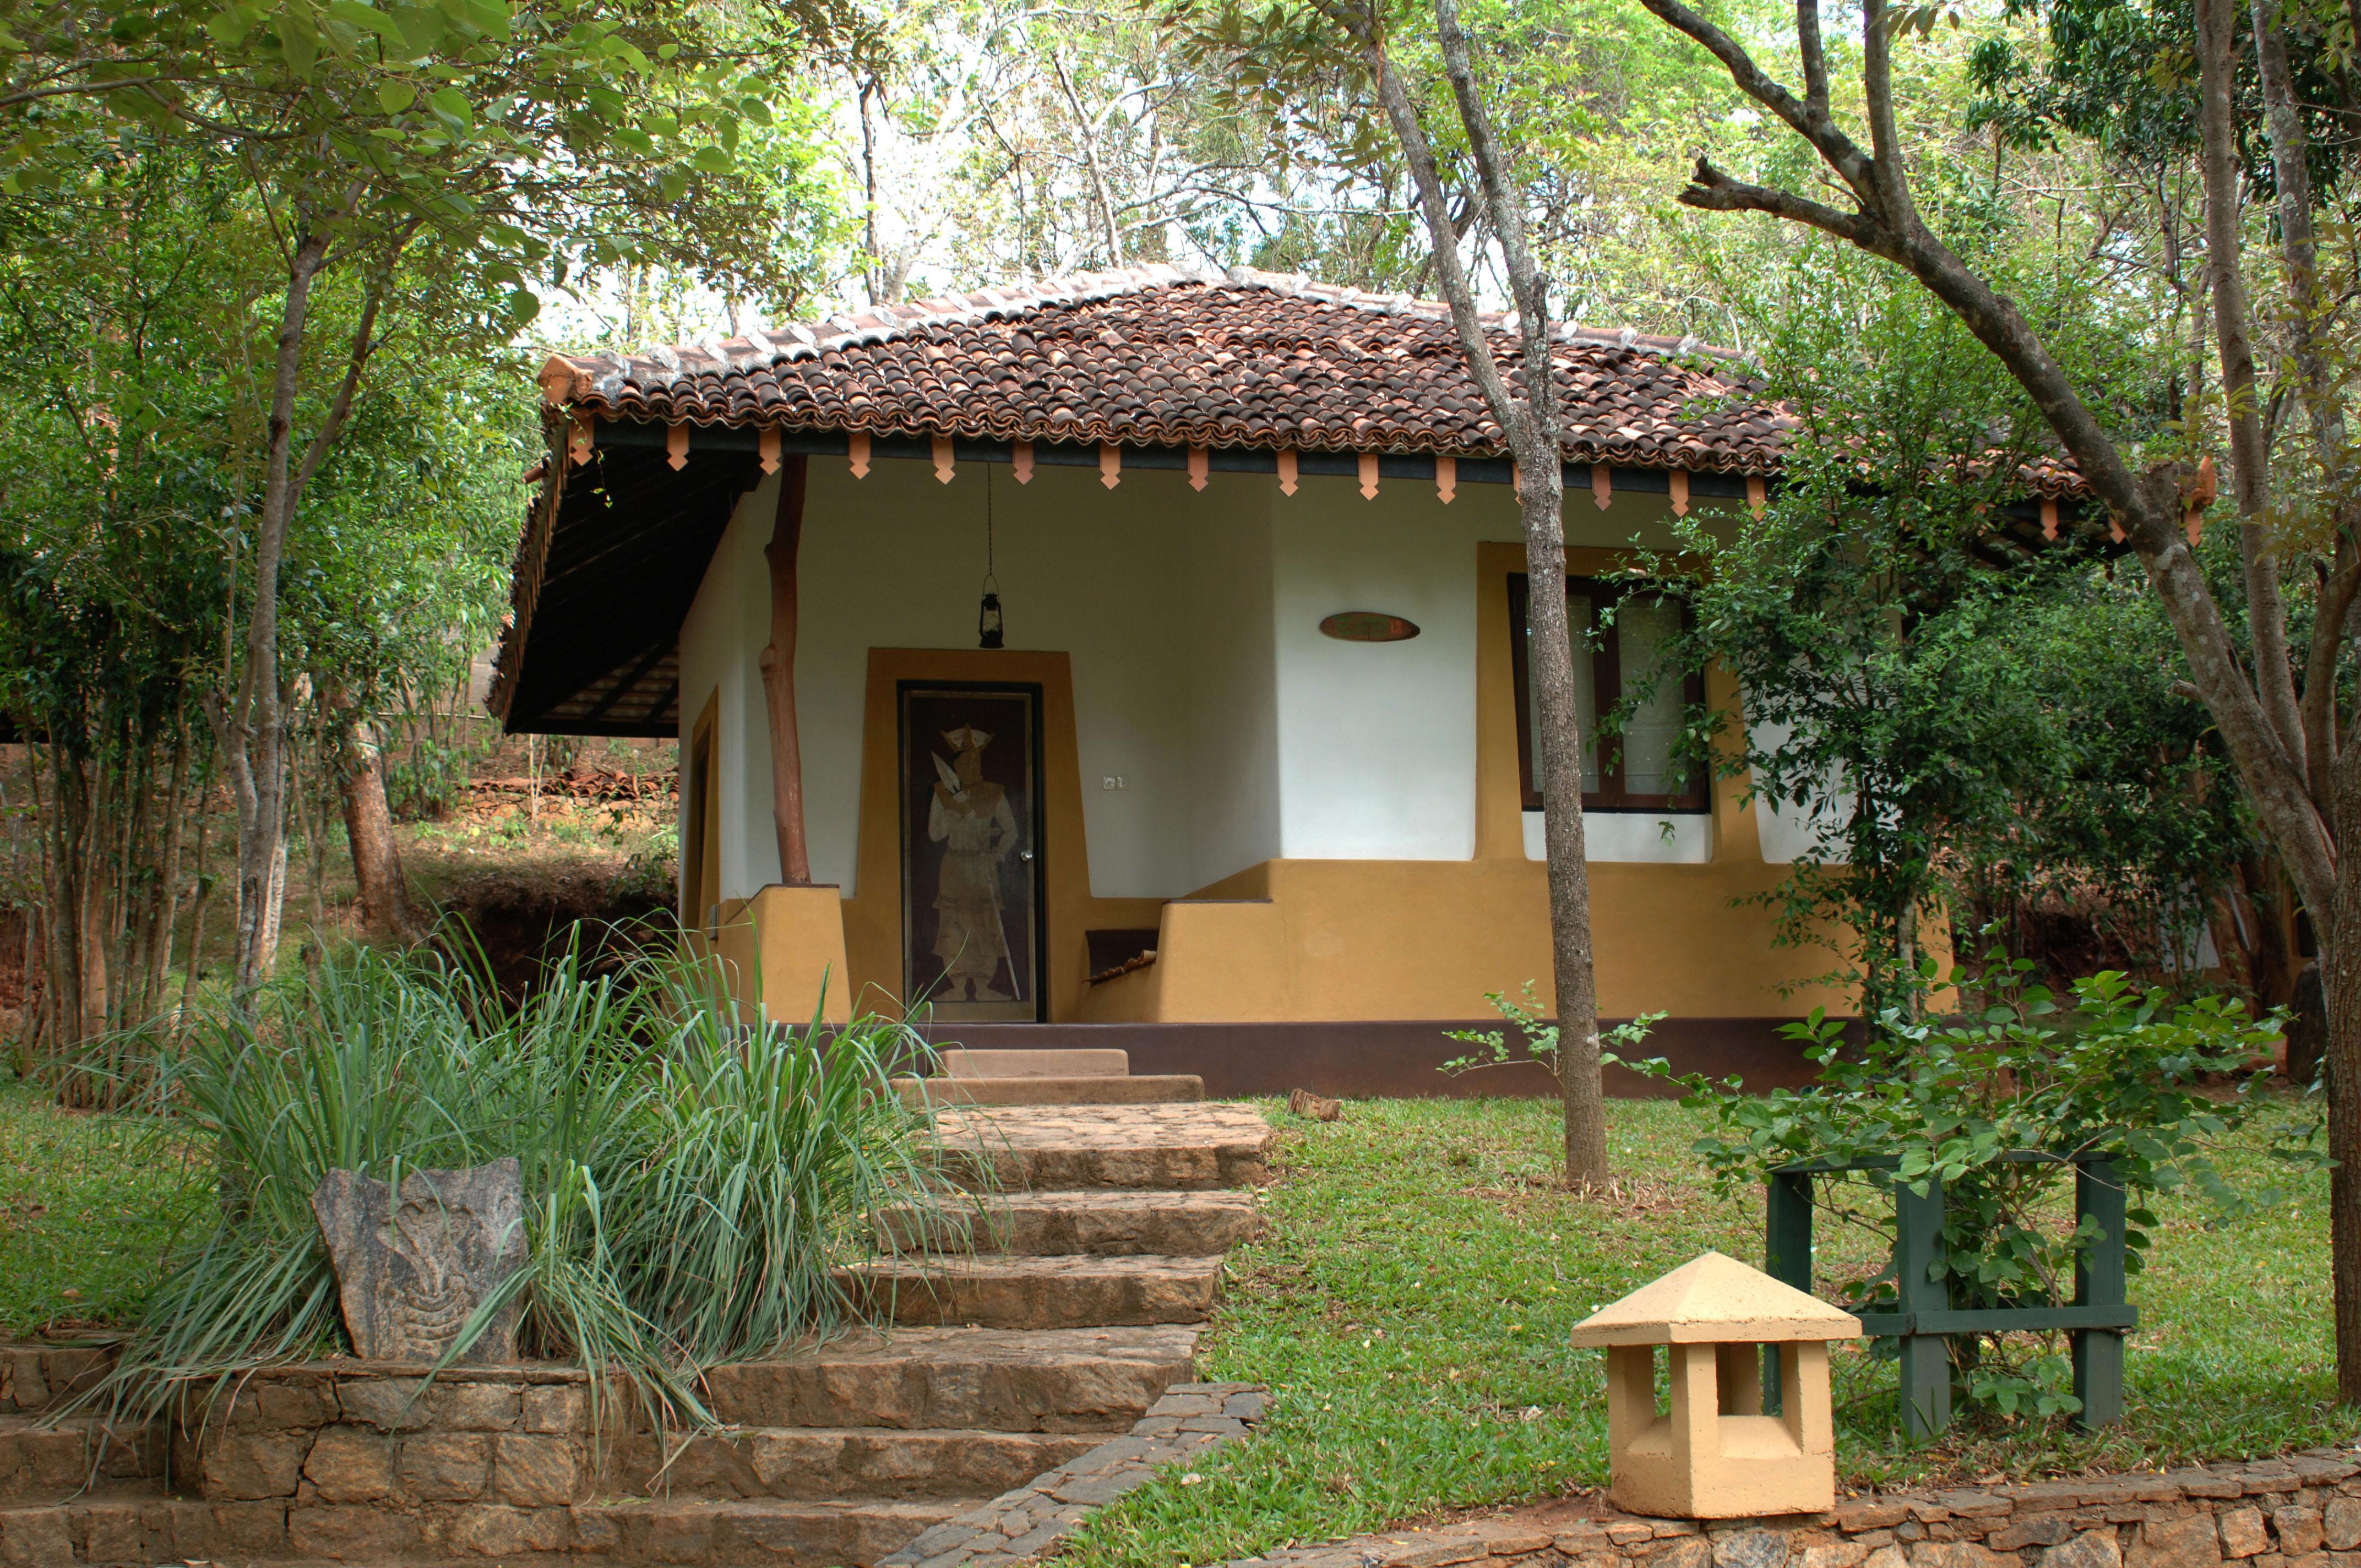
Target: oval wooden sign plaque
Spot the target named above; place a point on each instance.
(1367, 626)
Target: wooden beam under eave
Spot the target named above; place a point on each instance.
(778, 664)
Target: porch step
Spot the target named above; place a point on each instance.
(994, 1290)
(1062, 1380)
(1109, 1224)
(1176, 1148)
(50, 1465)
(1081, 1089)
(831, 1462)
(960, 1062)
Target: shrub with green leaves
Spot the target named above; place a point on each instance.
(2143, 1083)
(691, 1184)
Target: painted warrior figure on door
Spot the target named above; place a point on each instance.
(970, 817)
(971, 830)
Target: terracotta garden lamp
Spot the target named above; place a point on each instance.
(1714, 1454)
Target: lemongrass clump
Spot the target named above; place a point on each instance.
(692, 1183)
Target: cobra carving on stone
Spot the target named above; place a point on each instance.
(413, 1264)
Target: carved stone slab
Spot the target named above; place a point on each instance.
(411, 1265)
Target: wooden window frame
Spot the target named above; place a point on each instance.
(1606, 678)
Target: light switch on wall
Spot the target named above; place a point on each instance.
(1112, 780)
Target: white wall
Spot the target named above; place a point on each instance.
(1632, 836)
(727, 627)
(1201, 676)
(1791, 831)
(1233, 693)
(1353, 714)
(1160, 597)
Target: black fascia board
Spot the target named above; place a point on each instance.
(1218, 459)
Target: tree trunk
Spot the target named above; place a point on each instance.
(2340, 969)
(2243, 406)
(379, 891)
(1529, 421)
(778, 664)
(251, 724)
(1550, 666)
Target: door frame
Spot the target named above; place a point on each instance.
(1035, 822)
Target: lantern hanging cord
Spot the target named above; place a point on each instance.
(989, 581)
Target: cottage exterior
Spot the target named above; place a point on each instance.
(1248, 781)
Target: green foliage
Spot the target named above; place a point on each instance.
(1944, 706)
(1536, 1035)
(2123, 76)
(2119, 1076)
(528, 139)
(2137, 817)
(691, 1183)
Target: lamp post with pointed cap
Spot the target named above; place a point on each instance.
(1715, 1453)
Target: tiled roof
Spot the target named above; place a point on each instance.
(1161, 355)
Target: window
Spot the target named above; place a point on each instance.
(1639, 771)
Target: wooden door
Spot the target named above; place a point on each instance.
(972, 944)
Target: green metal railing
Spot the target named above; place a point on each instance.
(1923, 1317)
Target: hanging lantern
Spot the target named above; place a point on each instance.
(987, 617)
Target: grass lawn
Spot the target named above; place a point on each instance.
(1410, 1307)
(88, 1201)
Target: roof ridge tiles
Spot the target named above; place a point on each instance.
(884, 323)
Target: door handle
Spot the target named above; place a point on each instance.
(1024, 854)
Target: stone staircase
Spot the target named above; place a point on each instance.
(1034, 1321)
(1048, 1078)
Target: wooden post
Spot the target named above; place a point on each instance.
(2099, 1280)
(778, 662)
(1787, 1256)
(1925, 1357)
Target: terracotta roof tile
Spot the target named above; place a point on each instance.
(1160, 356)
(1168, 356)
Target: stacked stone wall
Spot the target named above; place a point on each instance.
(2303, 1511)
(35, 1378)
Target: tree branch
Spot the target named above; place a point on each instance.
(1526, 285)
(2241, 397)
(1709, 190)
(1838, 150)
(1900, 213)
(1427, 180)
(2328, 639)
(356, 361)
(1815, 60)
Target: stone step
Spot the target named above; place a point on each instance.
(1107, 1222)
(998, 1291)
(1151, 1090)
(1062, 1380)
(786, 1532)
(100, 1531)
(45, 1464)
(831, 1462)
(1173, 1148)
(960, 1062)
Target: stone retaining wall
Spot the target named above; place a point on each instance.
(36, 1378)
(367, 1464)
(2303, 1511)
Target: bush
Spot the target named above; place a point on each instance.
(2120, 1075)
(691, 1183)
